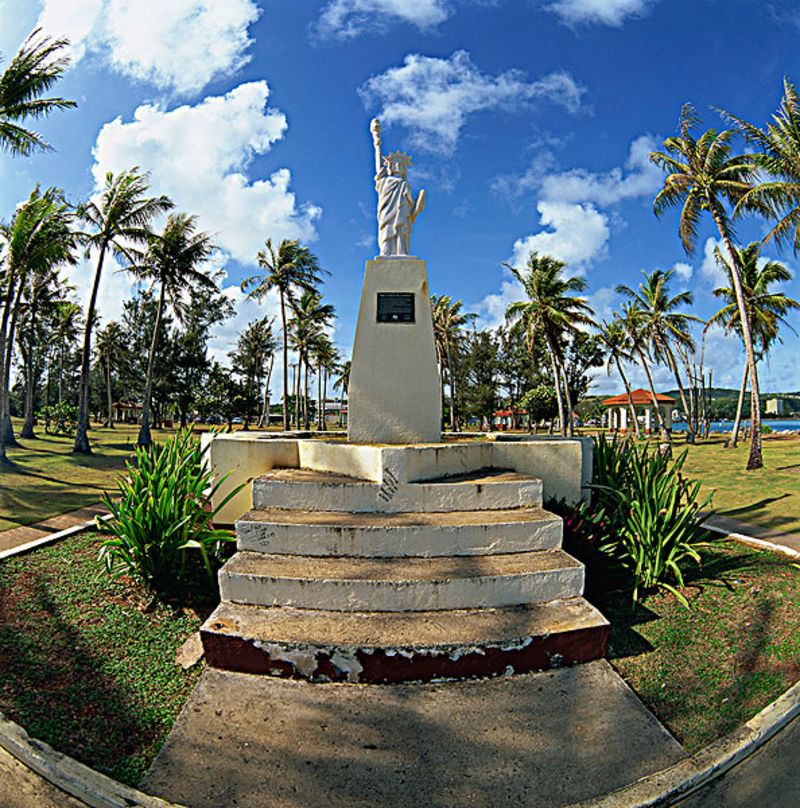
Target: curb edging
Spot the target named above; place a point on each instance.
(76, 779)
(703, 767)
(53, 537)
(753, 541)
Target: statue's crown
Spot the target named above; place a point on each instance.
(397, 156)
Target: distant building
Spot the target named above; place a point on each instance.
(775, 406)
(642, 401)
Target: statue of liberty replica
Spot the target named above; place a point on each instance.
(397, 208)
(393, 396)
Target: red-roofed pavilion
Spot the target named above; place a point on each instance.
(643, 405)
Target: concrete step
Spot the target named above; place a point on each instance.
(376, 535)
(395, 646)
(400, 584)
(307, 489)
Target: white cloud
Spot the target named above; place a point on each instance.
(710, 269)
(433, 97)
(598, 12)
(637, 178)
(576, 234)
(199, 156)
(116, 286)
(179, 45)
(349, 18)
(683, 271)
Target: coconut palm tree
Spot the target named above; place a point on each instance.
(664, 325)
(553, 311)
(766, 308)
(703, 175)
(118, 220)
(289, 269)
(35, 68)
(38, 240)
(448, 324)
(617, 342)
(110, 344)
(173, 260)
(341, 384)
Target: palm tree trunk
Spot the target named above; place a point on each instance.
(306, 407)
(109, 398)
(567, 402)
(756, 459)
(285, 362)
(557, 385)
(451, 370)
(659, 419)
(739, 407)
(626, 384)
(27, 428)
(5, 387)
(81, 433)
(145, 439)
(674, 366)
(264, 420)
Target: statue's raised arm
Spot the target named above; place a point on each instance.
(397, 208)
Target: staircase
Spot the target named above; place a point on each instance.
(339, 578)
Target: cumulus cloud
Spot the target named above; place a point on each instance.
(346, 19)
(637, 178)
(598, 12)
(199, 156)
(683, 271)
(180, 45)
(433, 97)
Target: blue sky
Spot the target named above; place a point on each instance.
(529, 122)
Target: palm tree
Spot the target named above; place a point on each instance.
(554, 312)
(341, 384)
(617, 343)
(35, 68)
(66, 329)
(664, 325)
(288, 269)
(311, 317)
(118, 221)
(702, 175)
(38, 240)
(448, 324)
(172, 260)
(110, 343)
(766, 309)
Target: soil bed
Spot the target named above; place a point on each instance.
(87, 662)
(706, 670)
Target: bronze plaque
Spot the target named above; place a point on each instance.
(395, 307)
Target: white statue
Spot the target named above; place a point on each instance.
(397, 208)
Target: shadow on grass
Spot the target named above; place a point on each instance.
(759, 505)
(62, 693)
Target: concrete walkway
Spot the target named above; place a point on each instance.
(18, 536)
(726, 524)
(544, 739)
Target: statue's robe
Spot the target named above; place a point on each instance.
(395, 213)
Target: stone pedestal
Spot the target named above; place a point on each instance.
(393, 395)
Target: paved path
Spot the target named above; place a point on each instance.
(545, 739)
(769, 778)
(22, 788)
(17, 536)
(730, 525)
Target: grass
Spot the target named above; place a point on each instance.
(768, 498)
(706, 670)
(46, 479)
(87, 663)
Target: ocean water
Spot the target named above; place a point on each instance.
(775, 424)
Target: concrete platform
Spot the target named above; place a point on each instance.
(400, 584)
(381, 647)
(310, 489)
(546, 739)
(420, 534)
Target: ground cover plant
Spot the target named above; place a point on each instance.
(707, 669)
(87, 661)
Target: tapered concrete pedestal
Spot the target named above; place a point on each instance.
(435, 562)
(393, 396)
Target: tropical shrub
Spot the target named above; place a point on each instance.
(644, 514)
(59, 419)
(540, 403)
(162, 525)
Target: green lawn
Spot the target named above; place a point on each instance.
(706, 670)
(768, 498)
(87, 663)
(46, 479)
